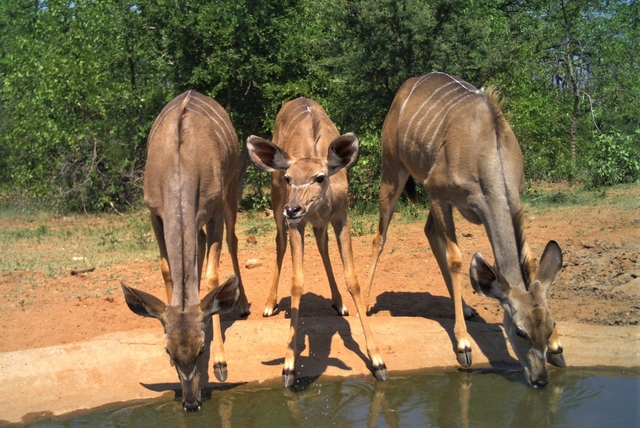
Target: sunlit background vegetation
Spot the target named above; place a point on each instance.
(82, 82)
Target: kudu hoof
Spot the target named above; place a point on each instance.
(288, 378)
(380, 372)
(464, 357)
(270, 311)
(469, 313)
(342, 311)
(220, 371)
(556, 359)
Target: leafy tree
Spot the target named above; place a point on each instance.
(83, 81)
(569, 80)
(78, 103)
(615, 159)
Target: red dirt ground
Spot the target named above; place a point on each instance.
(599, 283)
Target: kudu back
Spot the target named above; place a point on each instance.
(454, 139)
(191, 183)
(308, 160)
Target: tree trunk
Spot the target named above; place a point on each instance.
(574, 126)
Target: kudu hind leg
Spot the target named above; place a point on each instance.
(343, 236)
(215, 229)
(322, 240)
(391, 185)
(158, 229)
(212, 280)
(202, 245)
(440, 232)
(230, 216)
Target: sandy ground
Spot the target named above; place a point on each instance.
(597, 290)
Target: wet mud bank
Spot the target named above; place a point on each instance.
(133, 365)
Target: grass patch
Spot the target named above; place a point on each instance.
(255, 223)
(59, 244)
(411, 213)
(544, 199)
(53, 245)
(363, 225)
(539, 197)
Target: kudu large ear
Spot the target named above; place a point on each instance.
(143, 304)
(266, 155)
(343, 152)
(223, 299)
(485, 280)
(550, 265)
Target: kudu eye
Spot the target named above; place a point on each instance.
(319, 179)
(201, 351)
(520, 332)
(287, 179)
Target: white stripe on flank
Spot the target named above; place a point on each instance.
(415, 85)
(417, 112)
(424, 103)
(206, 110)
(209, 111)
(468, 86)
(160, 119)
(444, 112)
(216, 128)
(465, 85)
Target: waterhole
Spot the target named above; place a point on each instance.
(479, 398)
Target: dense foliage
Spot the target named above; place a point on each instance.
(83, 81)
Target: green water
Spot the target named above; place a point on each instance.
(573, 398)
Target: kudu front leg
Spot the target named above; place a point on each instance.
(296, 234)
(555, 354)
(440, 232)
(343, 235)
(214, 243)
(271, 306)
(322, 239)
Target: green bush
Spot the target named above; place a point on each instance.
(256, 191)
(614, 158)
(364, 177)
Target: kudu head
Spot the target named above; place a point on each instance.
(307, 179)
(527, 320)
(185, 330)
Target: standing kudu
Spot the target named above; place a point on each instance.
(191, 180)
(309, 161)
(454, 140)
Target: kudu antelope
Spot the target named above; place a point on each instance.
(191, 181)
(308, 161)
(454, 140)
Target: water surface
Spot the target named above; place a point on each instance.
(574, 398)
